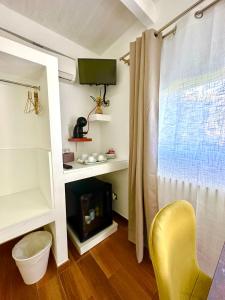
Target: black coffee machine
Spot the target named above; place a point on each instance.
(78, 131)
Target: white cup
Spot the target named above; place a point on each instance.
(84, 156)
(101, 157)
(91, 159)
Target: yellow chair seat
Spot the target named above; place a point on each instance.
(172, 245)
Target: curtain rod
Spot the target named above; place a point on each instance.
(178, 17)
(198, 15)
(164, 36)
(127, 61)
(22, 84)
(35, 44)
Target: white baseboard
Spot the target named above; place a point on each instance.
(93, 241)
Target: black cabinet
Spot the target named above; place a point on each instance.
(88, 206)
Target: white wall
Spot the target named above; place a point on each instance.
(42, 135)
(76, 102)
(16, 132)
(22, 134)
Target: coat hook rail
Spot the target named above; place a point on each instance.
(21, 84)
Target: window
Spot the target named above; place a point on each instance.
(192, 104)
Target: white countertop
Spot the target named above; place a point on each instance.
(81, 171)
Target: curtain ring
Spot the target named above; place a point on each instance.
(198, 14)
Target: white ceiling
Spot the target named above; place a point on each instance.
(94, 24)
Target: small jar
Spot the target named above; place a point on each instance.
(68, 156)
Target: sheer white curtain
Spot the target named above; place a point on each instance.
(192, 126)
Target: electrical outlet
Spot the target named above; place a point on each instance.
(114, 196)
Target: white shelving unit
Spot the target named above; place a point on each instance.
(31, 173)
(25, 152)
(99, 118)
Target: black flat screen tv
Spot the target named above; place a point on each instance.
(97, 71)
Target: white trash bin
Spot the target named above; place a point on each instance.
(31, 255)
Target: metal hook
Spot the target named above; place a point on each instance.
(198, 14)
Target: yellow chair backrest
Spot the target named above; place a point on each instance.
(172, 246)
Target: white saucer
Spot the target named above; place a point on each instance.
(93, 163)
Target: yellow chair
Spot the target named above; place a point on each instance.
(172, 245)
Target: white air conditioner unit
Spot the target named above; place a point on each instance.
(67, 69)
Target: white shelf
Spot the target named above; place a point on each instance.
(93, 241)
(100, 118)
(25, 148)
(81, 171)
(23, 212)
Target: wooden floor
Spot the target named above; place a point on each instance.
(108, 271)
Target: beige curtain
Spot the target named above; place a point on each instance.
(144, 104)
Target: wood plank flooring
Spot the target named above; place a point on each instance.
(108, 271)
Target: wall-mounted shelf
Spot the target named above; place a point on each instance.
(99, 118)
(79, 140)
(80, 171)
